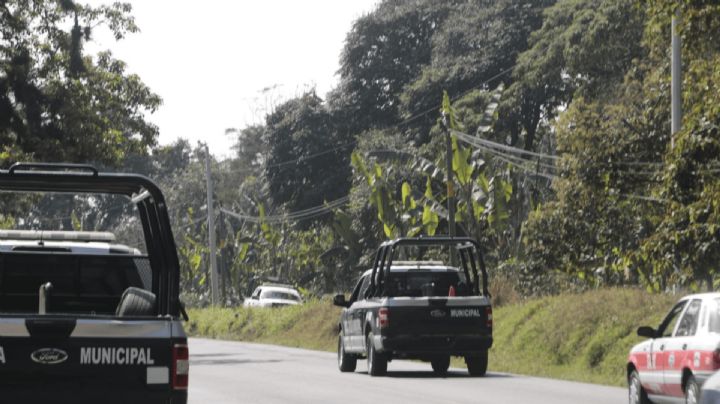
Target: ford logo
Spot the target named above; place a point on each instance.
(437, 313)
(49, 356)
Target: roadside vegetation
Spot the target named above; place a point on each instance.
(563, 164)
(582, 337)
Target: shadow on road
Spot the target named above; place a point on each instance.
(227, 361)
(205, 355)
(430, 375)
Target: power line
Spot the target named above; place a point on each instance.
(304, 214)
(303, 158)
(490, 144)
(509, 159)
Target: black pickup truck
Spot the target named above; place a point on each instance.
(424, 310)
(84, 318)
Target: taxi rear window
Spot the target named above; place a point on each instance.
(714, 316)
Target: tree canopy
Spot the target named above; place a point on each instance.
(56, 102)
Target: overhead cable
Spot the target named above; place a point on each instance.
(293, 216)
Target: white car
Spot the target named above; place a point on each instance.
(710, 393)
(273, 296)
(679, 356)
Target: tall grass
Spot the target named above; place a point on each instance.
(312, 325)
(582, 337)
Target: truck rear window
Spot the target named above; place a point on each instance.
(425, 283)
(82, 284)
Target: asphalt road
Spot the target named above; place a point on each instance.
(235, 372)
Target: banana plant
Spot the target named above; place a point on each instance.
(482, 202)
(403, 217)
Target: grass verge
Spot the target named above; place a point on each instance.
(582, 337)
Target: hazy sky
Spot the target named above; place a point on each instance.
(210, 60)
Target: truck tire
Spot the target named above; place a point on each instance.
(136, 302)
(377, 362)
(636, 393)
(346, 362)
(477, 364)
(692, 391)
(440, 365)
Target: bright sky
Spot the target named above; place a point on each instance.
(211, 60)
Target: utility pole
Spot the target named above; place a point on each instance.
(450, 186)
(676, 87)
(449, 179)
(211, 231)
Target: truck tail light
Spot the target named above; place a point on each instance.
(716, 359)
(180, 367)
(488, 313)
(383, 317)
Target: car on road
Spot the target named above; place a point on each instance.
(425, 310)
(85, 318)
(679, 355)
(273, 295)
(710, 392)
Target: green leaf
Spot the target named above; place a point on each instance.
(378, 171)
(359, 165)
(463, 170)
(407, 199)
(77, 226)
(388, 230)
(428, 188)
(242, 253)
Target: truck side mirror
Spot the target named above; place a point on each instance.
(339, 300)
(647, 332)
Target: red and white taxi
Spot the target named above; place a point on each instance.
(680, 355)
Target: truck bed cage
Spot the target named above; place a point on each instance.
(465, 246)
(82, 178)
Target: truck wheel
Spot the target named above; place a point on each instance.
(477, 364)
(346, 362)
(692, 391)
(376, 362)
(636, 393)
(440, 365)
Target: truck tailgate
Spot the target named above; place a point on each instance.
(64, 359)
(440, 316)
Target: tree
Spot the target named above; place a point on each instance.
(583, 47)
(472, 48)
(308, 159)
(57, 104)
(684, 248)
(384, 51)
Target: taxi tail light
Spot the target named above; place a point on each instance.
(488, 313)
(716, 359)
(180, 367)
(383, 317)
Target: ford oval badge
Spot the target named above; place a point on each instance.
(49, 356)
(437, 313)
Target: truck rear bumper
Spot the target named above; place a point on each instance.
(419, 346)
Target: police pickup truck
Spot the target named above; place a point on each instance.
(83, 318)
(424, 310)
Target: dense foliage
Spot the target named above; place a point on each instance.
(558, 115)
